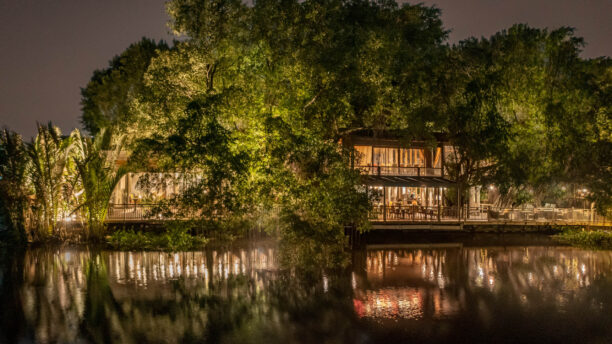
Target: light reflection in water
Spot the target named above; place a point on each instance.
(410, 283)
(242, 294)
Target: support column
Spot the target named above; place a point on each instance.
(385, 203)
(439, 196)
(442, 162)
(469, 195)
(459, 205)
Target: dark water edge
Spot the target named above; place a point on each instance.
(431, 288)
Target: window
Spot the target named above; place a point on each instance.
(412, 157)
(363, 155)
(385, 157)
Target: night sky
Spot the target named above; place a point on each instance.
(49, 48)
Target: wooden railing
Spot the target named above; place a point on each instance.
(569, 215)
(405, 213)
(416, 213)
(413, 213)
(400, 171)
(138, 212)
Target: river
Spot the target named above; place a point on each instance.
(488, 290)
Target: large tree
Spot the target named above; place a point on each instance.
(581, 138)
(520, 106)
(286, 80)
(105, 101)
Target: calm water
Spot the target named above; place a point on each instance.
(443, 292)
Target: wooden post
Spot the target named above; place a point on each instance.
(469, 201)
(442, 163)
(439, 201)
(372, 156)
(459, 205)
(384, 204)
(397, 161)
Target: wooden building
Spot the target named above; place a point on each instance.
(408, 179)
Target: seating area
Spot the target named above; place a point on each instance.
(391, 213)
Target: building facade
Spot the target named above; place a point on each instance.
(407, 179)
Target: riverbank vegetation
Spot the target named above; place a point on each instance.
(56, 183)
(254, 99)
(594, 239)
(172, 239)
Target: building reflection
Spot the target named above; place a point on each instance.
(63, 290)
(81, 295)
(436, 282)
(148, 269)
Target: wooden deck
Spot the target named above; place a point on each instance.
(421, 218)
(484, 226)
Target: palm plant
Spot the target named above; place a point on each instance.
(95, 161)
(13, 193)
(49, 155)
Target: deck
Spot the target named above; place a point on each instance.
(421, 218)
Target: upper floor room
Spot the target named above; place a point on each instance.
(390, 155)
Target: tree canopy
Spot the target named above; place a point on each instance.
(105, 101)
(256, 98)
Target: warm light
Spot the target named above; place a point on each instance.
(491, 187)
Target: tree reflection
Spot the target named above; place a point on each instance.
(245, 294)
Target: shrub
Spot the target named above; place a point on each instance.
(174, 238)
(584, 238)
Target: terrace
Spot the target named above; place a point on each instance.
(484, 214)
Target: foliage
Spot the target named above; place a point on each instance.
(13, 188)
(248, 110)
(338, 66)
(98, 173)
(106, 98)
(597, 239)
(279, 98)
(583, 127)
(199, 145)
(49, 155)
(521, 108)
(175, 238)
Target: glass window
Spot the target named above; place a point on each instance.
(412, 157)
(437, 158)
(363, 155)
(385, 156)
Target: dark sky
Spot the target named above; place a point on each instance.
(49, 48)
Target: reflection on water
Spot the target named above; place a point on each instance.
(428, 293)
(412, 283)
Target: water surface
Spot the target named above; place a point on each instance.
(442, 292)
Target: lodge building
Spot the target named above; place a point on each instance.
(408, 179)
